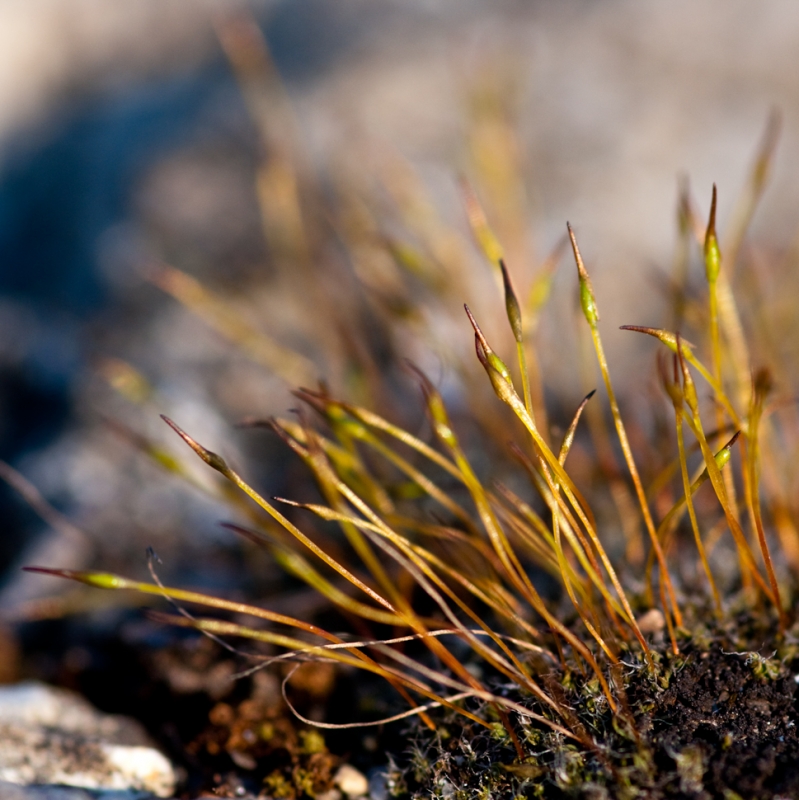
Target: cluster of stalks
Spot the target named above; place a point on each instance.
(418, 520)
(491, 540)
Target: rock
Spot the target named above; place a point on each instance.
(51, 736)
(652, 621)
(32, 704)
(351, 782)
(12, 791)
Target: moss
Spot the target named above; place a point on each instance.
(724, 722)
(518, 622)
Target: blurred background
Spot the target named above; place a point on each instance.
(301, 160)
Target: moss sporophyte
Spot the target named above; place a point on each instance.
(543, 656)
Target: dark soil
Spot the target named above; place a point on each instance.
(741, 726)
(718, 721)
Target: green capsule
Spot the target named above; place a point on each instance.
(587, 299)
(512, 307)
(712, 251)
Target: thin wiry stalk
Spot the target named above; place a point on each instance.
(514, 314)
(422, 576)
(688, 488)
(498, 374)
(592, 317)
(746, 559)
(713, 271)
(218, 463)
(760, 389)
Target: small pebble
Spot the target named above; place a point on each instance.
(652, 622)
(352, 782)
(330, 794)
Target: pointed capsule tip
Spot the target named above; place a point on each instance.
(587, 299)
(100, 580)
(477, 332)
(178, 430)
(711, 225)
(212, 459)
(183, 435)
(711, 248)
(572, 235)
(512, 307)
(287, 502)
(581, 270)
(58, 573)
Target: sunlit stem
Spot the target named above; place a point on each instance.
(425, 577)
(320, 467)
(556, 520)
(514, 313)
(528, 398)
(564, 570)
(218, 463)
(496, 535)
(713, 272)
(579, 544)
(761, 387)
(505, 391)
(692, 513)
(639, 489)
(110, 581)
(745, 556)
(592, 317)
(679, 396)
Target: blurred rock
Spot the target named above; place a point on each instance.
(11, 791)
(51, 736)
(351, 781)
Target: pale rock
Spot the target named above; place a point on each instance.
(652, 621)
(351, 782)
(51, 736)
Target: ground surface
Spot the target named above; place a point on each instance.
(719, 721)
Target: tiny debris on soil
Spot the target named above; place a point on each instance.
(737, 713)
(229, 737)
(717, 721)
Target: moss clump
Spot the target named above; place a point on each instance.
(719, 720)
(501, 590)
